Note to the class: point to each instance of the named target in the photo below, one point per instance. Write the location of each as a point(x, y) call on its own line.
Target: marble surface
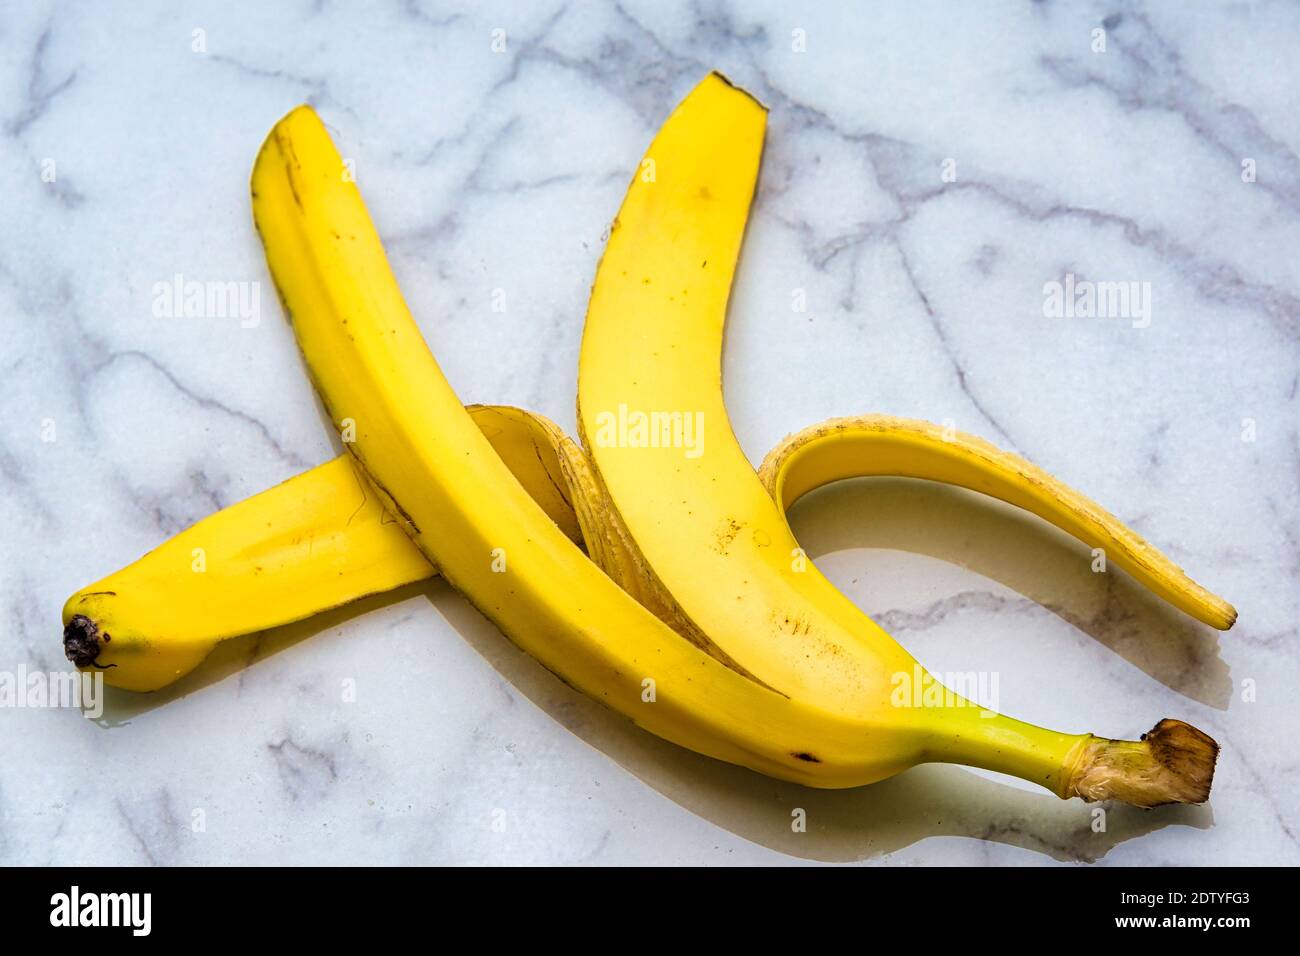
point(500, 170)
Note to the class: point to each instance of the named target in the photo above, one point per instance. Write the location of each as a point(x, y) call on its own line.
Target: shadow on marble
point(842, 825)
point(234, 658)
point(1027, 555)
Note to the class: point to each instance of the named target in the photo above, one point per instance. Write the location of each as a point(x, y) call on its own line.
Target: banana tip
point(83, 640)
point(738, 88)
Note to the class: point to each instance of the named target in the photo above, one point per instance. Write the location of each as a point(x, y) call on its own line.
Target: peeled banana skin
point(353, 527)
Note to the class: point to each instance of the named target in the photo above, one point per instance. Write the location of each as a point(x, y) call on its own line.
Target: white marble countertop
point(494, 170)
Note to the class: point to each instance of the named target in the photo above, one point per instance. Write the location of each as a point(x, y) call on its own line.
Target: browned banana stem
point(1172, 763)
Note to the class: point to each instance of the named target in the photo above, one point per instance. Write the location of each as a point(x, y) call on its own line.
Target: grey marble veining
point(929, 168)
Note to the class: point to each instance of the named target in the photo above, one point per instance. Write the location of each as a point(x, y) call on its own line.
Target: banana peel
point(337, 533)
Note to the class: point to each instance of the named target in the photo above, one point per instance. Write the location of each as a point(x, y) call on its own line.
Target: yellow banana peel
point(727, 649)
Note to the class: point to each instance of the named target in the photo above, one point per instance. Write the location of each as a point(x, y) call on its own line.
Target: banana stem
point(1171, 763)
point(980, 738)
